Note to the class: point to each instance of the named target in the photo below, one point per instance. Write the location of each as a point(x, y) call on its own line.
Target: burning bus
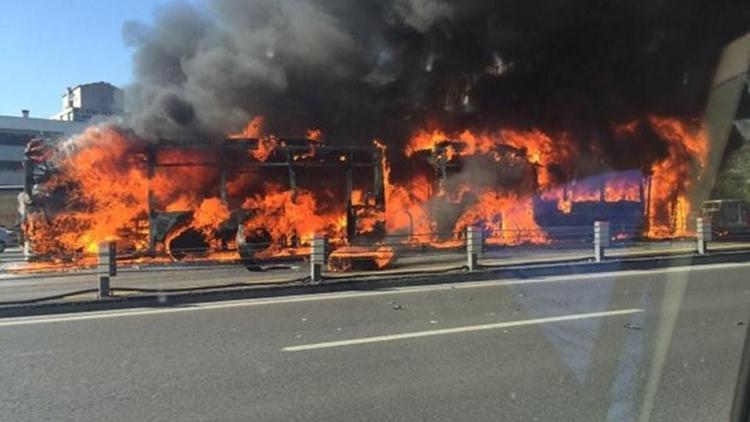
point(475, 129)
point(253, 197)
point(518, 186)
point(457, 175)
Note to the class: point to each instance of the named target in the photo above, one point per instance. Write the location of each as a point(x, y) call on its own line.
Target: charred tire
point(254, 244)
point(191, 242)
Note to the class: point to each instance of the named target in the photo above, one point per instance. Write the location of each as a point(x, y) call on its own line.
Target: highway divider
point(175, 297)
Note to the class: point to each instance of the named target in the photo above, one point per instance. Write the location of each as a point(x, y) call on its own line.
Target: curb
point(517, 271)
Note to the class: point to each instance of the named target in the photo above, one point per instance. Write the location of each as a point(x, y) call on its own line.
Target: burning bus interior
point(244, 197)
point(615, 196)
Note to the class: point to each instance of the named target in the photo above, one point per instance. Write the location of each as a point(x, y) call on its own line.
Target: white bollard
point(601, 239)
point(27, 253)
point(703, 235)
point(474, 247)
point(107, 267)
point(317, 258)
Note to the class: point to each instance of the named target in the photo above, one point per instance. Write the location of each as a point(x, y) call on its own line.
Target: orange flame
point(507, 220)
point(622, 189)
point(291, 218)
point(253, 130)
point(113, 191)
point(405, 205)
point(106, 174)
point(314, 135)
point(347, 257)
point(673, 177)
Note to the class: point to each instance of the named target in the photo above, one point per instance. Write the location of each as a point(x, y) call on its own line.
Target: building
point(88, 101)
point(15, 133)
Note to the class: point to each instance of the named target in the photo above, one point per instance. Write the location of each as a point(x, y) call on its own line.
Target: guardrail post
point(317, 258)
point(703, 235)
point(474, 247)
point(602, 238)
point(107, 267)
point(27, 250)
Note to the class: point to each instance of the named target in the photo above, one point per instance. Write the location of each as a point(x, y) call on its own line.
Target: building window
point(11, 165)
point(15, 139)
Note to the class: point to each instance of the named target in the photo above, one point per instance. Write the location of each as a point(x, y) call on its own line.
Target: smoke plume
point(368, 69)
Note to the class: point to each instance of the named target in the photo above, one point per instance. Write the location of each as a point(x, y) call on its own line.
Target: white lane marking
point(36, 353)
point(10, 322)
point(457, 330)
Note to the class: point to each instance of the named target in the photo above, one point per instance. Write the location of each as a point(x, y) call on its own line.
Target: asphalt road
point(660, 345)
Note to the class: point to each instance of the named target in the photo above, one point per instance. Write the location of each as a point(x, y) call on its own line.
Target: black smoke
point(368, 69)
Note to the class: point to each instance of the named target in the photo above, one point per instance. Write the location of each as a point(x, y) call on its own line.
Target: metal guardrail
point(309, 258)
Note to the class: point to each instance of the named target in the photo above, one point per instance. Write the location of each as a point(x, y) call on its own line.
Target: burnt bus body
point(229, 170)
point(458, 178)
point(506, 169)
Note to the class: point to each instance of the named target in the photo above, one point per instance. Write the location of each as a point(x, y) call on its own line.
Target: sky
point(48, 45)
